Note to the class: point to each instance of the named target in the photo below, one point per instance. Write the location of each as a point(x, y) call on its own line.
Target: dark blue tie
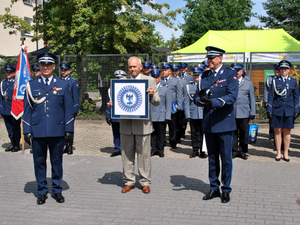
point(46, 83)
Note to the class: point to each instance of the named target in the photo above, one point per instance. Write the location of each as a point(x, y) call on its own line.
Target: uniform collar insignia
point(54, 80)
point(222, 71)
point(40, 80)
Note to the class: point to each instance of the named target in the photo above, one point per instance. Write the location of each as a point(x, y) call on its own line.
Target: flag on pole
point(22, 77)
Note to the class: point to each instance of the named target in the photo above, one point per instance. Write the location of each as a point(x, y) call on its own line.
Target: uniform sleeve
point(266, 91)
point(231, 91)
point(68, 107)
point(1, 100)
point(168, 104)
point(107, 111)
point(75, 90)
point(252, 100)
point(186, 100)
point(27, 114)
point(296, 98)
point(155, 100)
point(270, 97)
point(179, 93)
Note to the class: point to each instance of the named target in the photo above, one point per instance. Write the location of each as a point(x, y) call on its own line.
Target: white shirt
point(49, 79)
point(138, 77)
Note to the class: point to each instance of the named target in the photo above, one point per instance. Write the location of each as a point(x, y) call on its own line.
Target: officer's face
point(166, 72)
point(183, 69)
point(175, 73)
point(215, 63)
point(196, 78)
point(240, 73)
point(65, 73)
point(277, 73)
point(37, 74)
point(47, 69)
point(157, 79)
point(146, 71)
point(134, 67)
point(10, 75)
point(284, 72)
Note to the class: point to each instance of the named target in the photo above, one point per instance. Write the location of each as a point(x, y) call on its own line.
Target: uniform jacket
point(174, 86)
point(54, 116)
point(245, 102)
point(162, 112)
point(7, 89)
point(187, 77)
point(224, 90)
point(138, 126)
point(108, 110)
point(73, 86)
point(268, 84)
point(190, 109)
point(286, 104)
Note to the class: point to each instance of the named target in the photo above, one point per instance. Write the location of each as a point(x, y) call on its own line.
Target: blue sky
point(175, 4)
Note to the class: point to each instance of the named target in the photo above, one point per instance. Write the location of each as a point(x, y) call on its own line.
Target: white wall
point(10, 44)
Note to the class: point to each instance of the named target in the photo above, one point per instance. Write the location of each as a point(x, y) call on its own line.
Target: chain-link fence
point(93, 73)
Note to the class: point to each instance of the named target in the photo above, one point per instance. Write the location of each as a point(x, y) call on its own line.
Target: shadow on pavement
point(107, 150)
point(31, 187)
point(187, 183)
point(114, 178)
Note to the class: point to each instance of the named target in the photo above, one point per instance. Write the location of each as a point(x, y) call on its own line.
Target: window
point(27, 2)
point(28, 20)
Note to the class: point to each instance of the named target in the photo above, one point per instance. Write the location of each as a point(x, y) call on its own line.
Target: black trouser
point(181, 122)
point(158, 137)
point(196, 134)
point(242, 133)
point(173, 129)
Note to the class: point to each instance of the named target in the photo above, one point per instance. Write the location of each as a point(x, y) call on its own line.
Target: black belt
point(7, 99)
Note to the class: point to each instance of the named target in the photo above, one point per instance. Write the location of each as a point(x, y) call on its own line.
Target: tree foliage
point(283, 14)
point(203, 15)
point(97, 26)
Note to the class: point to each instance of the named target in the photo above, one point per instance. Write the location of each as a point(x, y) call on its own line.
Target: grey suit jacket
point(245, 102)
point(138, 126)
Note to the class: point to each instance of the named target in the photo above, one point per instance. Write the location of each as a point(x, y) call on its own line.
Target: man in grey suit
point(244, 109)
point(136, 135)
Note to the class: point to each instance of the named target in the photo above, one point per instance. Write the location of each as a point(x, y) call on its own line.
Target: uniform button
point(47, 94)
point(47, 108)
point(229, 115)
point(47, 115)
point(211, 86)
point(284, 102)
point(47, 100)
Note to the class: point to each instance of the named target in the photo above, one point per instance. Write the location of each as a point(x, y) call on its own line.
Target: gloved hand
point(251, 117)
point(27, 138)
point(178, 110)
point(168, 121)
point(269, 115)
point(204, 103)
point(265, 105)
point(202, 93)
point(68, 137)
point(74, 114)
point(188, 120)
point(108, 121)
point(296, 115)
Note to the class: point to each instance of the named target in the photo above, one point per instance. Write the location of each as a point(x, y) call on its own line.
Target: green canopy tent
point(241, 41)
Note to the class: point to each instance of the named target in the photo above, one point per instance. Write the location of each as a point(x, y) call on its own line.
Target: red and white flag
point(22, 77)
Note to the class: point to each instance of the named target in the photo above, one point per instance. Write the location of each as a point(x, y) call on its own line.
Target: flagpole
point(23, 144)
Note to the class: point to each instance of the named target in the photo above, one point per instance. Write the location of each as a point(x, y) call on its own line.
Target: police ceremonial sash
point(283, 93)
point(2, 93)
point(28, 92)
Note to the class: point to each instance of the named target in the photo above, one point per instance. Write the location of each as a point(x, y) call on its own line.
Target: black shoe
point(243, 155)
point(202, 155)
point(70, 150)
point(153, 153)
point(59, 198)
point(31, 151)
point(41, 199)
point(66, 149)
point(161, 154)
point(11, 146)
point(15, 149)
point(173, 146)
point(284, 159)
point(211, 194)
point(271, 136)
point(115, 154)
point(225, 197)
point(194, 154)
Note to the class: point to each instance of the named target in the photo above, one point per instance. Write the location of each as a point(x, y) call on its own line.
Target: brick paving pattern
point(264, 191)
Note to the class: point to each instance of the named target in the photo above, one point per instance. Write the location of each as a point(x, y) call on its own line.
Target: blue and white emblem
point(129, 98)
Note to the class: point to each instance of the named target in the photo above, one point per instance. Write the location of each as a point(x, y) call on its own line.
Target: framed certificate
point(130, 99)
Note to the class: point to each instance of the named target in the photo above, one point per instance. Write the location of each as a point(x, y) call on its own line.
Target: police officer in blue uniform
point(244, 109)
point(48, 120)
point(183, 72)
point(36, 70)
point(194, 114)
point(174, 86)
point(283, 108)
point(217, 93)
point(114, 123)
point(12, 125)
point(147, 67)
point(159, 115)
point(65, 70)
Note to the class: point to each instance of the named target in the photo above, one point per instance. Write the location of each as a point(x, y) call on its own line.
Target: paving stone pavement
point(264, 191)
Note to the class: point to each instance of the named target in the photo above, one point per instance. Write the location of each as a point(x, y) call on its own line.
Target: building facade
point(10, 44)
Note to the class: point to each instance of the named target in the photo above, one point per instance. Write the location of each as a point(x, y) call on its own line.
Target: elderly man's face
point(47, 69)
point(215, 63)
point(134, 67)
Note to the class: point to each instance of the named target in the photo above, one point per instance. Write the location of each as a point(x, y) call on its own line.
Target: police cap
point(9, 69)
point(35, 67)
point(147, 65)
point(46, 57)
point(213, 52)
point(183, 65)
point(155, 67)
point(64, 66)
point(276, 67)
point(166, 65)
point(175, 67)
point(120, 73)
point(205, 64)
point(237, 66)
point(197, 70)
point(155, 73)
point(285, 64)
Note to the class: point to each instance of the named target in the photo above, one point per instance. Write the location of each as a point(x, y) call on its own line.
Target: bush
point(88, 109)
point(262, 113)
